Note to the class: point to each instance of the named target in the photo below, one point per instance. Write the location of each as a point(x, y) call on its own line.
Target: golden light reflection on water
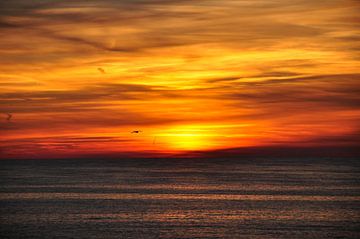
point(191, 198)
point(195, 215)
point(199, 187)
point(133, 196)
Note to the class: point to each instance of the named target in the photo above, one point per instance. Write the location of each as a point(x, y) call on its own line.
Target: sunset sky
point(77, 77)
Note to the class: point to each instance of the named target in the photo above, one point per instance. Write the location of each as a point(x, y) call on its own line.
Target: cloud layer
point(197, 75)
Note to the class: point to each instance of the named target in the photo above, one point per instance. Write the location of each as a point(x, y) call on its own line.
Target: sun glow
point(188, 141)
point(189, 138)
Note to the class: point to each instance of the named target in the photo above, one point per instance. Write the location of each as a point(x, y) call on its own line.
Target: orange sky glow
point(77, 77)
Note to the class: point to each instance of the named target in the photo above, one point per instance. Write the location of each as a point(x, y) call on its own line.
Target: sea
point(180, 198)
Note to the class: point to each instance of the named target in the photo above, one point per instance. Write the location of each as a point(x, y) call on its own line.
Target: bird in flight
point(9, 116)
point(101, 70)
point(136, 131)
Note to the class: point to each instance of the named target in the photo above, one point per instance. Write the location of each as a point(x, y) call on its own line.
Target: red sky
point(79, 76)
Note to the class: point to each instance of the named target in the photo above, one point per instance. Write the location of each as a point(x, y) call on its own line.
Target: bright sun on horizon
point(188, 138)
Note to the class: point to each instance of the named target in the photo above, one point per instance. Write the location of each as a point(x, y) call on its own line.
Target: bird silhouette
point(9, 116)
point(136, 131)
point(101, 70)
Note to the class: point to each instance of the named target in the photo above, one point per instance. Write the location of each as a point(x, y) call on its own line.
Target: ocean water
point(180, 198)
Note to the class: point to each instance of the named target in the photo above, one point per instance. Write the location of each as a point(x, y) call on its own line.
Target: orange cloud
point(195, 76)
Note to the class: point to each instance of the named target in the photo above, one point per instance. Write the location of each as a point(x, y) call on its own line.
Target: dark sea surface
point(180, 198)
